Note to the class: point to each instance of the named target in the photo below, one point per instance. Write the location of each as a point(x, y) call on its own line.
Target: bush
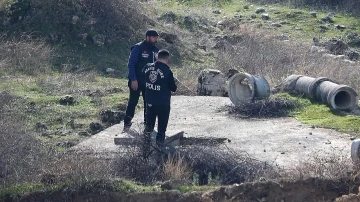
point(26, 56)
point(21, 153)
point(267, 108)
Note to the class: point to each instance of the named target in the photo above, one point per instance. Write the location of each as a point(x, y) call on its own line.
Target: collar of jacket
point(161, 63)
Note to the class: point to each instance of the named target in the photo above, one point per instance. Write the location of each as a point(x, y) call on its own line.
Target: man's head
point(163, 56)
point(151, 36)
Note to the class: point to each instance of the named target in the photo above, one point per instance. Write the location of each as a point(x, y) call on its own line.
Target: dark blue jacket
point(141, 54)
point(159, 82)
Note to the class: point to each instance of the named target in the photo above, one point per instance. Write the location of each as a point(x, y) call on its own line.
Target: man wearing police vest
point(141, 53)
point(159, 83)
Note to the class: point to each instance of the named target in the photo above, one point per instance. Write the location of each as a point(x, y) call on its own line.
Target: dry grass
point(26, 56)
point(21, 154)
point(176, 168)
point(260, 53)
point(330, 165)
point(76, 167)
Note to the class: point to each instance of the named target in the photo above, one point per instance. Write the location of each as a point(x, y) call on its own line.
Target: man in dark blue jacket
point(159, 83)
point(141, 53)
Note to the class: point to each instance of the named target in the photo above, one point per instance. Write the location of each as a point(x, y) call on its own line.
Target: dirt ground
point(284, 142)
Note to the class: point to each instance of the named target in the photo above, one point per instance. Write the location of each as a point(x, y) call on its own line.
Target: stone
point(340, 27)
point(314, 14)
point(211, 82)
point(74, 19)
point(217, 11)
point(265, 16)
point(328, 19)
point(95, 127)
point(260, 10)
point(324, 27)
point(246, 6)
point(111, 117)
point(253, 16)
point(67, 100)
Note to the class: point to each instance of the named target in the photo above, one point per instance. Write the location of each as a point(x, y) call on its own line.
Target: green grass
point(301, 26)
point(47, 110)
point(320, 115)
point(121, 186)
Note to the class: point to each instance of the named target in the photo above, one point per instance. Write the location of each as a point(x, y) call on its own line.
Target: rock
point(67, 100)
point(110, 71)
point(74, 19)
point(336, 46)
point(99, 39)
point(41, 127)
point(314, 14)
point(211, 82)
point(246, 6)
point(283, 22)
point(169, 38)
point(260, 10)
point(111, 117)
point(352, 55)
point(328, 19)
point(66, 144)
point(217, 11)
point(231, 72)
point(352, 138)
point(276, 25)
point(168, 17)
point(253, 16)
point(95, 127)
point(340, 27)
point(265, 16)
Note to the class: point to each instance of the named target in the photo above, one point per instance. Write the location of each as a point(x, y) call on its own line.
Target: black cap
point(151, 32)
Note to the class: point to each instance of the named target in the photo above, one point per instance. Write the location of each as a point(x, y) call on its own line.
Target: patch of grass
point(320, 115)
point(299, 23)
point(123, 186)
point(39, 102)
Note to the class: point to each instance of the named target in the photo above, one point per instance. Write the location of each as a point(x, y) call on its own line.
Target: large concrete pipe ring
point(244, 87)
point(340, 97)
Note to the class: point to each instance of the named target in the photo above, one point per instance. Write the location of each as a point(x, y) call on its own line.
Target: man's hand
point(134, 85)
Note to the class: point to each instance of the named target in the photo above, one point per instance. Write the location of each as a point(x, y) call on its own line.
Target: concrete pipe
point(244, 87)
point(340, 97)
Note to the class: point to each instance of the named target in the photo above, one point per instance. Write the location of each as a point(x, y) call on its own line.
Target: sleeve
point(172, 84)
point(133, 59)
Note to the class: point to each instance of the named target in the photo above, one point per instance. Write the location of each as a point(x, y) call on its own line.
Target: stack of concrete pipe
point(339, 97)
point(243, 87)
